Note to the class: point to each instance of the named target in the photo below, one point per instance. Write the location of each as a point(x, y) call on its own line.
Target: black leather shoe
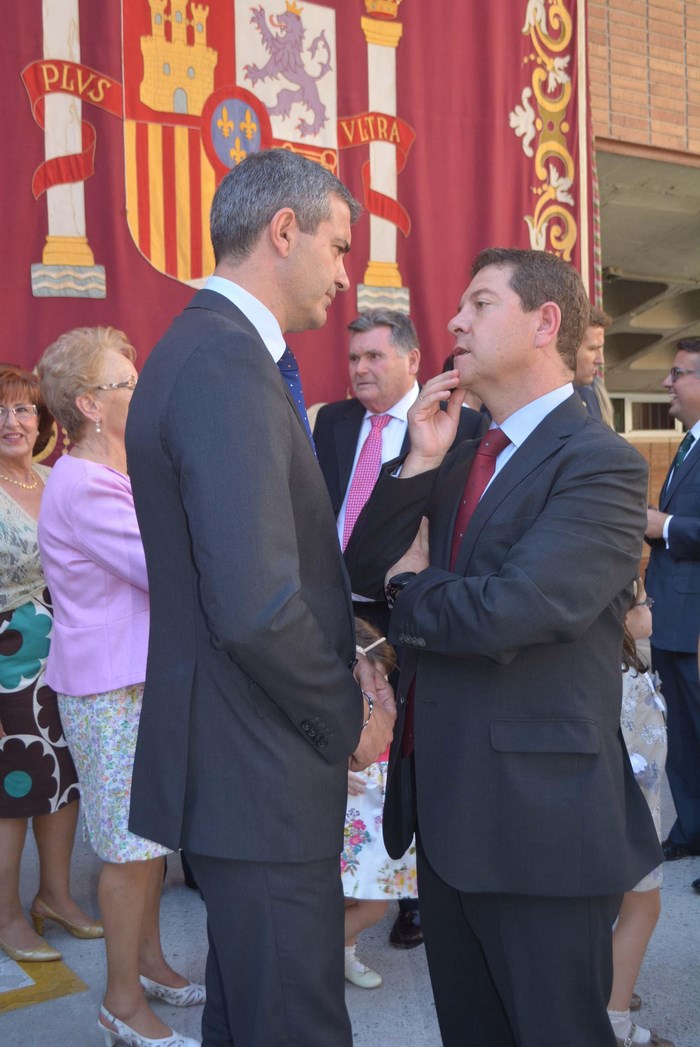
point(696, 885)
point(674, 851)
point(407, 932)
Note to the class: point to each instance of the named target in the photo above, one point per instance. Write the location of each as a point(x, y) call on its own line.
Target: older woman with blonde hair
point(94, 563)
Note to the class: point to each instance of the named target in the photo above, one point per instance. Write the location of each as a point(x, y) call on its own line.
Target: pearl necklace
point(18, 483)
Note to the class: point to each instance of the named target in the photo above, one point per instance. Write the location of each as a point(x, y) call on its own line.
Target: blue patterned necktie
point(289, 367)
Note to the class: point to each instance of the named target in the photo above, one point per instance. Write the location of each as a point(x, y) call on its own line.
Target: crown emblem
point(294, 8)
point(383, 8)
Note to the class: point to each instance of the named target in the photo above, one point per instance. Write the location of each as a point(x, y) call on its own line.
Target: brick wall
point(659, 454)
point(645, 72)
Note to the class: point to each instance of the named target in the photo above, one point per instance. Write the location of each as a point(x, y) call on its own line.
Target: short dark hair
point(538, 277)
point(257, 188)
point(20, 385)
point(402, 331)
point(688, 345)
point(598, 318)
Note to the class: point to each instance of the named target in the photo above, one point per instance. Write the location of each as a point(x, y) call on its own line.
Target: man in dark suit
point(508, 758)
point(673, 580)
point(384, 357)
point(251, 710)
point(590, 360)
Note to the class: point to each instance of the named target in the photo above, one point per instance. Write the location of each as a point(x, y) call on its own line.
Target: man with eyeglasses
point(673, 580)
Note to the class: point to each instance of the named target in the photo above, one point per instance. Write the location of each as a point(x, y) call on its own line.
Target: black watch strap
point(395, 584)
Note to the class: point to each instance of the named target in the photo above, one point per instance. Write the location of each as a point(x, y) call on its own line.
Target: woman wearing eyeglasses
point(37, 775)
point(94, 564)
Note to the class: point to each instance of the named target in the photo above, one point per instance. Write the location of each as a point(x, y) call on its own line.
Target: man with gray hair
point(251, 708)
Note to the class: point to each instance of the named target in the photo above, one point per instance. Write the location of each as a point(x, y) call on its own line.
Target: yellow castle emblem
point(178, 68)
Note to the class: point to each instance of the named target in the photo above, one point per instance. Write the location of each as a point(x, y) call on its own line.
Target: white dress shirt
point(264, 322)
point(519, 425)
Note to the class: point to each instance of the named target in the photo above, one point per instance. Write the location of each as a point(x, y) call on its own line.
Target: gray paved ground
point(400, 1014)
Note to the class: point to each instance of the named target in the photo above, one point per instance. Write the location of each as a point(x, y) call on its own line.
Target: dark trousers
point(517, 971)
point(275, 967)
point(680, 687)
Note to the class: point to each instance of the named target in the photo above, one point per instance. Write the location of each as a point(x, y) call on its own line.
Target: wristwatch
point(395, 584)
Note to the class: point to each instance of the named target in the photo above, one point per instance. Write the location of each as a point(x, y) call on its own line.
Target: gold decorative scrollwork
point(541, 120)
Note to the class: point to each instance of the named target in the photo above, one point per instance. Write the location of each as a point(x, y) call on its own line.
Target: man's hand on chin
point(432, 430)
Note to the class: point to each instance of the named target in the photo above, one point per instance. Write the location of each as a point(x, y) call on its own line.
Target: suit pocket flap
point(545, 736)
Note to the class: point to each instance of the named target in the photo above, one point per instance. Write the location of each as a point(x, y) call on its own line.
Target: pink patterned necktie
point(366, 473)
point(482, 469)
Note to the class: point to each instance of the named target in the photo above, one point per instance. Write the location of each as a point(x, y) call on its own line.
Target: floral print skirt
point(367, 871)
point(643, 723)
point(101, 730)
point(37, 774)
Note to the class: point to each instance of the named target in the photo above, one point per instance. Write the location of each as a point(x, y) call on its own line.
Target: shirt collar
point(401, 408)
point(264, 322)
point(525, 420)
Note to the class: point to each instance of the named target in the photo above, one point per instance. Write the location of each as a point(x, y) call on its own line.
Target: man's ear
point(414, 361)
point(549, 323)
point(282, 228)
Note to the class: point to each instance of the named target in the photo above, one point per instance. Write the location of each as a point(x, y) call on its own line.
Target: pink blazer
point(95, 569)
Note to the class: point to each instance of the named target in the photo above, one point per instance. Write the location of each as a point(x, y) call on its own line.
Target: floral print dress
point(37, 775)
point(643, 723)
point(367, 871)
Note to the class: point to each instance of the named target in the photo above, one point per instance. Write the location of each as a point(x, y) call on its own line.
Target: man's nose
point(341, 280)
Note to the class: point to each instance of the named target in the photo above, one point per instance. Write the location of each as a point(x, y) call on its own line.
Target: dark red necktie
point(481, 471)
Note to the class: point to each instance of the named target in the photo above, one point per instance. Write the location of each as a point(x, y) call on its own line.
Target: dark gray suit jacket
point(523, 783)
point(673, 575)
point(250, 708)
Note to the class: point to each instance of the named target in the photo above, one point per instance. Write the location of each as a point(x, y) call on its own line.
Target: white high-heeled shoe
point(191, 995)
point(123, 1033)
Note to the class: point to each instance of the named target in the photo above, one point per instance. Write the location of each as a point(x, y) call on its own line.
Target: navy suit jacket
point(250, 708)
point(522, 781)
point(673, 575)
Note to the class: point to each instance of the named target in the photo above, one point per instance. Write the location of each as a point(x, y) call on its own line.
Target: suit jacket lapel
point(679, 474)
point(543, 442)
point(219, 303)
point(451, 487)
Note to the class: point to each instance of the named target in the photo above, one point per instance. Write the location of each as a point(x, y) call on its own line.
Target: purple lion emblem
point(286, 50)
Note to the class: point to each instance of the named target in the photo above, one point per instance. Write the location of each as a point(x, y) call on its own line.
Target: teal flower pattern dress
point(37, 775)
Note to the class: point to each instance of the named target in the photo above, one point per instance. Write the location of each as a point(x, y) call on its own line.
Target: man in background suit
point(673, 580)
point(508, 758)
point(251, 710)
point(590, 360)
point(384, 357)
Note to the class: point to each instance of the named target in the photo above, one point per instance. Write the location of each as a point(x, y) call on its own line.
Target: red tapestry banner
point(458, 126)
